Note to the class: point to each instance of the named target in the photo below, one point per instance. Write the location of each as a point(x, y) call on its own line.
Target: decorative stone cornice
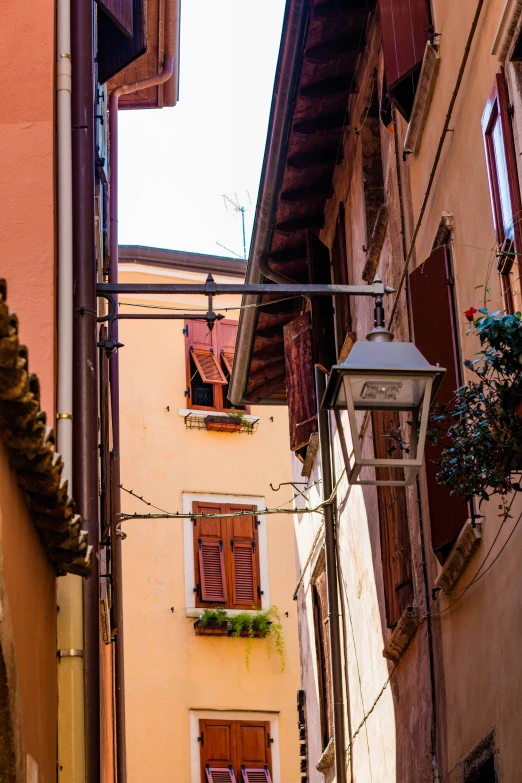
point(29, 445)
point(403, 633)
point(462, 552)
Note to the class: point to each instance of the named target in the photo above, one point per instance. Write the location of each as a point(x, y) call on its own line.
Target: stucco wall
point(28, 629)
point(169, 671)
point(27, 217)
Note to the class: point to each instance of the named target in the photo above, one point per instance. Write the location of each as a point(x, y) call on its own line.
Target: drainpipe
point(85, 396)
point(171, 36)
point(69, 623)
point(334, 614)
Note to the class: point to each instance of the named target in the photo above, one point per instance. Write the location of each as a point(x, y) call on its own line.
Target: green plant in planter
point(217, 615)
point(481, 429)
point(248, 425)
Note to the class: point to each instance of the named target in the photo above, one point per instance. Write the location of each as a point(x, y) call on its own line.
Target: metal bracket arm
point(215, 289)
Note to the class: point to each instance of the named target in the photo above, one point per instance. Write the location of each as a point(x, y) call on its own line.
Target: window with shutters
point(393, 524)
point(209, 360)
point(436, 336)
point(226, 556)
point(300, 381)
point(322, 648)
point(405, 28)
point(504, 190)
point(235, 751)
point(340, 275)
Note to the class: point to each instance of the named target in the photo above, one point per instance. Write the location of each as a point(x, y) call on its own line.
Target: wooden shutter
point(435, 328)
point(208, 366)
point(217, 749)
point(322, 645)
point(120, 11)
point(405, 30)
point(220, 775)
point(256, 775)
point(116, 49)
point(253, 750)
point(393, 523)
point(321, 307)
point(504, 187)
point(209, 555)
point(243, 559)
point(343, 318)
point(300, 379)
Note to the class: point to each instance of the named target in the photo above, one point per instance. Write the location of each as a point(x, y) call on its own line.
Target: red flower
point(470, 313)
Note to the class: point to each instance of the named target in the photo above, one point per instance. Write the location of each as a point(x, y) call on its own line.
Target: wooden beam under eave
point(296, 269)
point(321, 157)
point(344, 46)
point(264, 346)
point(333, 8)
point(265, 374)
point(322, 123)
point(301, 223)
point(321, 190)
point(326, 87)
point(295, 253)
point(274, 389)
point(268, 322)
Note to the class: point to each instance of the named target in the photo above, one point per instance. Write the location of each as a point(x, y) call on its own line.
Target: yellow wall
point(170, 671)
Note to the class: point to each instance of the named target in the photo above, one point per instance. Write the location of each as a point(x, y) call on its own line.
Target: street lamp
point(382, 375)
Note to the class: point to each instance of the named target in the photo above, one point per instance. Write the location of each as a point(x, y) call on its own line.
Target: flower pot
point(223, 423)
point(211, 628)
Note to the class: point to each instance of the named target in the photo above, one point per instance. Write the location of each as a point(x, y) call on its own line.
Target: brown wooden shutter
point(405, 30)
point(253, 750)
point(208, 366)
point(220, 775)
point(393, 523)
point(116, 49)
point(435, 328)
point(209, 555)
point(243, 558)
point(322, 644)
point(217, 747)
point(343, 318)
point(256, 775)
point(120, 11)
point(321, 307)
point(300, 379)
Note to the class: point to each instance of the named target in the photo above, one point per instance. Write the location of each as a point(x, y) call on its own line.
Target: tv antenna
point(233, 203)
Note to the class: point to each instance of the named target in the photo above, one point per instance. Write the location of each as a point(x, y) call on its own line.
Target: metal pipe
point(318, 289)
point(69, 599)
point(85, 402)
point(334, 614)
point(116, 553)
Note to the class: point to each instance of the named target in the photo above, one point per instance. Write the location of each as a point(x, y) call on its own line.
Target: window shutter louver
point(435, 329)
point(343, 319)
point(228, 360)
point(120, 11)
point(256, 775)
point(300, 379)
point(244, 568)
point(212, 571)
point(220, 775)
point(405, 31)
point(208, 367)
point(322, 642)
point(321, 307)
point(116, 48)
point(393, 523)
point(243, 573)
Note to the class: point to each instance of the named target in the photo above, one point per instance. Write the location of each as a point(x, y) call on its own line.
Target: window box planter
point(223, 423)
point(212, 628)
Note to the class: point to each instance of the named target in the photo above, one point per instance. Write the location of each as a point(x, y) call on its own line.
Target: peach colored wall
point(27, 221)
point(169, 670)
point(28, 582)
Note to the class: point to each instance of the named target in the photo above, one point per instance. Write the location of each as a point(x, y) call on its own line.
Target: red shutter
point(220, 775)
point(405, 30)
point(120, 11)
point(322, 647)
point(116, 49)
point(321, 307)
point(300, 379)
point(244, 560)
point(209, 554)
point(227, 331)
point(208, 366)
point(435, 330)
point(504, 186)
point(256, 775)
point(343, 319)
point(393, 524)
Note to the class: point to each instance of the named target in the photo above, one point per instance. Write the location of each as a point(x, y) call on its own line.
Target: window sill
point(404, 632)
point(459, 557)
point(423, 96)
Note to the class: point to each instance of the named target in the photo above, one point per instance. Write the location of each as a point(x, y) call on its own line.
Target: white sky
point(176, 163)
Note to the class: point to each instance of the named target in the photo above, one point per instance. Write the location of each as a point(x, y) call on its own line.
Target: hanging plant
point(251, 624)
point(481, 428)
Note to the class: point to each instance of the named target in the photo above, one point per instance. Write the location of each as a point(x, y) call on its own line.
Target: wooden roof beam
point(264, 390)
point(301, 223)
point(306, 160)
point(322, 123)
point(344, 46)
point(333, 8)
point(321, 190)
point(327, 87)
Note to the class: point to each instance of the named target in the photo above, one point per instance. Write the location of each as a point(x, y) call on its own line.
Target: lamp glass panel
point(397, 393)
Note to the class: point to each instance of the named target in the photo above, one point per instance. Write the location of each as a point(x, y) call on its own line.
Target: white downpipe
point(71, 732)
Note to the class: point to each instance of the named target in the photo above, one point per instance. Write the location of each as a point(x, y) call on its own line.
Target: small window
point(235, 751)
point(504, 190)
point(209, 358)
point(226, 557)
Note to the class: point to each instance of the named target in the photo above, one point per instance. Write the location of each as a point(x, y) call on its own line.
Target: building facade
point(394, 149)
point(197, 695)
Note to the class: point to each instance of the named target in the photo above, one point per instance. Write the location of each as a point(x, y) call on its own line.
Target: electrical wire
point(205, 309)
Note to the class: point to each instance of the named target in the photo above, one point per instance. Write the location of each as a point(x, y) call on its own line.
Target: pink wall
point(27, 223)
